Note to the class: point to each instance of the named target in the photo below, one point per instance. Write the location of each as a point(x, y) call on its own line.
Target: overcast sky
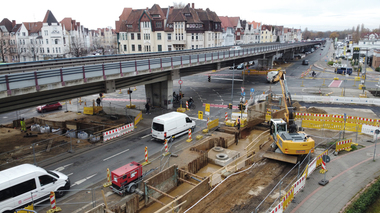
point(317, 15)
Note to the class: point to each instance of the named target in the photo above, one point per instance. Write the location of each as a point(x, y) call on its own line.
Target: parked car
point(240, 66)
point(305, 62)
point(49, 107)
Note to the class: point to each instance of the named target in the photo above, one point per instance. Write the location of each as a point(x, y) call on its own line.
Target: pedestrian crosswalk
point(335, 83)
point(124, 100)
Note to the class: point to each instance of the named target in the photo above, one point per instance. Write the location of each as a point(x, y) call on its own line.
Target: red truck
point(126, 178)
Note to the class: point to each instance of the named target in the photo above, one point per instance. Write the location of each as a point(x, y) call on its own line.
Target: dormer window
point(187, 14)
point(129, 25)
point(156, 16)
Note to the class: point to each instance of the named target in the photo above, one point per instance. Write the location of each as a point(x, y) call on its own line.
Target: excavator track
point(281, 157)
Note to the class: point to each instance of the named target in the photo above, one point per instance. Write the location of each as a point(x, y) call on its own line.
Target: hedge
point(330, 63)
point(377, 69)
point(366, 199)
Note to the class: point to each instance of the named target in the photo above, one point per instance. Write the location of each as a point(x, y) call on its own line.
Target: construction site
point(258, 168)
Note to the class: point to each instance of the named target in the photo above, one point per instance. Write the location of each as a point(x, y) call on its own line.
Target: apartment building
point(158, 29)
point(8, 43)
point(267, 33)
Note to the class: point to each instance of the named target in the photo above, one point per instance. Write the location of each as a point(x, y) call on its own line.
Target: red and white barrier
point(226, 116)
point(189, 134)
point(187, 105)
point(146, 154)
point(114, 133)
point(278, 208)
point(166, 146)
point(299, 184)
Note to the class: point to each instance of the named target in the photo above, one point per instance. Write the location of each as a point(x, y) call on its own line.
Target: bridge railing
point(129, 68)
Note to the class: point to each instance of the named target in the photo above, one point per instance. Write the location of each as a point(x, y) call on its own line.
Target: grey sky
point(313, 14)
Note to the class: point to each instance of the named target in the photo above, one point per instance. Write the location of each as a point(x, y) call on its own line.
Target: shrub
point(366, 199)
point(330, 63)
point(377, 69)
point(354, 147)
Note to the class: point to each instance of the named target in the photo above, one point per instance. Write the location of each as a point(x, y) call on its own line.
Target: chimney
point(192, 5)
point(13, 23)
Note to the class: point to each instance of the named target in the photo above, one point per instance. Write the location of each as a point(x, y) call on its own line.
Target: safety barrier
point(138, 118)
point(114, 133)
point(337, 118)
point(298, 185)
point(53, 207)
point(108, 183)
point(343, 145)
point(213, 123)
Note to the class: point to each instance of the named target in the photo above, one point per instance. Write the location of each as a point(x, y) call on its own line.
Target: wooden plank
point(157, 201)
point(192, 174)
point(168, 205)
point(186, 181)
point(157, 190)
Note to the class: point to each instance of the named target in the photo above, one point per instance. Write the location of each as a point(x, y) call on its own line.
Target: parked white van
point(171, 125)
point(25, 184)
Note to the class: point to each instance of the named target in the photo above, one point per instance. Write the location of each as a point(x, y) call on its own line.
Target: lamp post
point(232, 93)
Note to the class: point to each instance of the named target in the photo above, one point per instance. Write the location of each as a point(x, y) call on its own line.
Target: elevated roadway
point(29, 84)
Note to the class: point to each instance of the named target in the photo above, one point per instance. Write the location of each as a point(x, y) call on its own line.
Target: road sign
point(207, 109)
point(243, 93)
point(242, 89)
point(200, 115)
point(252, 90)
point(180, 82)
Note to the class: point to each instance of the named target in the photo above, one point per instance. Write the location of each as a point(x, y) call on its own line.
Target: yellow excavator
point(288, 141)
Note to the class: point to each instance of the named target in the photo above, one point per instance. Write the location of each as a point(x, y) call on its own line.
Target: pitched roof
point(16, 28)
point(207, 15)
point(8, 24)
point(33, 27)
point(124, 15)
point(193, 18)
point(229, 21)
point(133, 19)
point(67, 23)
point(49, 18)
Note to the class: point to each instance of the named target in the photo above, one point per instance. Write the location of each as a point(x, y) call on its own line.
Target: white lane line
point(5, 117)
point(228, 79)
point(62, 167)
point(70, 174)
point(83, 180)
point(146, 136)
point(116, 155)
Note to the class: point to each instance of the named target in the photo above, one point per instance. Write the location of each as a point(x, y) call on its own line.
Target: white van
point(171, 125)
point(25, 184)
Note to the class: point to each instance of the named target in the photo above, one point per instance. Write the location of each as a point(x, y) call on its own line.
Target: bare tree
point(179, 5)
point(98, 44)
point(4, 46)
point(33, 49)
point(77, 47)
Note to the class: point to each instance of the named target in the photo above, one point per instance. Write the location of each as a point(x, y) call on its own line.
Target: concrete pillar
point(218, 66)
point(160, 94)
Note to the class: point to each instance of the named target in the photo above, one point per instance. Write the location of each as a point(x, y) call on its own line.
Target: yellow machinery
point(291, 143)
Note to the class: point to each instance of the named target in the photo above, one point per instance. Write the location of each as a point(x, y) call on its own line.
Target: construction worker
point(238, 123)
point(23, 125)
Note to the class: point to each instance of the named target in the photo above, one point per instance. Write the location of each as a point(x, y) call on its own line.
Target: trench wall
point(164, 181)
point(195, 193)
point(224, 142)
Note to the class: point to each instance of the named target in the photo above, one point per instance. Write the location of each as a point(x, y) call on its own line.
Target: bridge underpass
point(132, 73)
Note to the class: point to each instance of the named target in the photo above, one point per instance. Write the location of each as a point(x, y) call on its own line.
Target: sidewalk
point(348, 173)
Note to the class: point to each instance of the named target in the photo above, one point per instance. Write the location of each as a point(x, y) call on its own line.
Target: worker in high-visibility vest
point(238, 123)
point(23, 125)
point(238, 131)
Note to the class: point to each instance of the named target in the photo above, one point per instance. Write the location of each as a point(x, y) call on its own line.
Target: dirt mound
point(316, 110)
point(296, 105)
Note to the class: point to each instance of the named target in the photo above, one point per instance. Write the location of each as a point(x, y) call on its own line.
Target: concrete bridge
point(24, 85)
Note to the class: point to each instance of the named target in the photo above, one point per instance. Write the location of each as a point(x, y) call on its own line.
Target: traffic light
point(129, 91)
point(240, 106)
point(209, 78)
point(229, 106)
point(243, 106)
point(183, 95)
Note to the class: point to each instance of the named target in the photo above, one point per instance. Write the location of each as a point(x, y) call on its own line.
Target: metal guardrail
point(49, 75)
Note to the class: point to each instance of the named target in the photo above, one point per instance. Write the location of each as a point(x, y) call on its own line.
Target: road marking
point(5, 117)
point(116, 155)
point(146, 136)
point(335, 83)
point(83, 180)
point(62, 167)
point(228, 79)
point(108, 194)
point(70, 174)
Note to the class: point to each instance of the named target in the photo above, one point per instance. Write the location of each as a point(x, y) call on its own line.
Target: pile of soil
point(316, 110)
point(296, 105)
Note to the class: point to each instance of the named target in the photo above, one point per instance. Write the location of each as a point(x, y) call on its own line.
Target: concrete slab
point(232, 155)
point(367, 113)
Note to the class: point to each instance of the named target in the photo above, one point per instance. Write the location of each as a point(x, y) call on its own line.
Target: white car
point(235, 48)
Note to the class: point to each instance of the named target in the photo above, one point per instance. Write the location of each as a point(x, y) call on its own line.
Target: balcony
point(182, 42)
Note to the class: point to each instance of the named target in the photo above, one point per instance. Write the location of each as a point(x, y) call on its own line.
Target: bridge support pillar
point(160, 94)
point(218, 66)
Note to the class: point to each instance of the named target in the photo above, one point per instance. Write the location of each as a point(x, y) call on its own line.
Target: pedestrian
point(147, 107)
point(238, 123)
point(98, 101)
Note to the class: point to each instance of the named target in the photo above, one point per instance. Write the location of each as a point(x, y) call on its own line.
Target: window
point(23, 41)
point(47, 41)
point(46, 32)
point(169, 36)
point(147, 48)
point(192, 47)
point(158, 127)
point(139, 47)
point(56, 41)
point(53, 49)
point(169, 47)
point(176, 36)
point(196, 46)
point(31, 41)
point(181, 36)
point(159, 48)
point(138, 36)
point(192, 36)
point(146, 36)
point(59, 50)
point(125, 48)
point(133, 47)
point(158, 36)
point(159, 24)
point(132, 36)
point(196, 36)
point(56, 50)
point(23, 34)
point(17, 190)
point(41, 50)
point(47, 50)
point(46, 179)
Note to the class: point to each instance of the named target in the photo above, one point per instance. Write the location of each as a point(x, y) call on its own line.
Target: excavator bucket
point(281, 157)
